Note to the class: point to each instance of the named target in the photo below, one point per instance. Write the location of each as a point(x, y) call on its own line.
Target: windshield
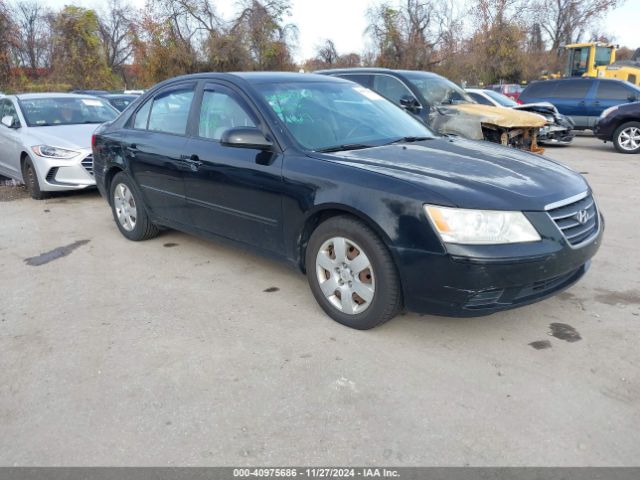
point(44, 112)
point(326, 115)
point(501, 99)
point(438, 90)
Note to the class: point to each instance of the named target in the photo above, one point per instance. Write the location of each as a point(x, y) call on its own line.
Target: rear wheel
point(30, 177)
point(626, 138)
point(129, 211)
point(351, 273)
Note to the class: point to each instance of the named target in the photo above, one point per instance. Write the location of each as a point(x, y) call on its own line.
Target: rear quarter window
point(613, 91)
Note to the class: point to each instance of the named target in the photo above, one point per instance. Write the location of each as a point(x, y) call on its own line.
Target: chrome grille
point(577, 220)
point(87, 163)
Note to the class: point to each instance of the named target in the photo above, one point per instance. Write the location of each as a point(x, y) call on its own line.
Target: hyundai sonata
point(380, 212)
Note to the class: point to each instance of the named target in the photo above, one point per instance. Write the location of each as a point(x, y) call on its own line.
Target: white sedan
point(45, 139)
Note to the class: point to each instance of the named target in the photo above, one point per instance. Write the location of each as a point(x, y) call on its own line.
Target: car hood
point(63, 136)
point(502, 117)
point(471, 174)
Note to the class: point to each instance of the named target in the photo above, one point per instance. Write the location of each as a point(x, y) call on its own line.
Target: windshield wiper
point(408, 140)
point(344, 147)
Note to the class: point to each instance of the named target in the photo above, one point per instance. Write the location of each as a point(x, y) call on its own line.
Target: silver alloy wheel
point(629, 138)
point(125, 206)
point(345, 275)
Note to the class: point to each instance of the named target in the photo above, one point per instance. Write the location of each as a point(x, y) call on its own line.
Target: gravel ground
point(179, 351)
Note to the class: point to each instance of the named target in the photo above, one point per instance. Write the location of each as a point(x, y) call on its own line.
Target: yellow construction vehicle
point(598, 59)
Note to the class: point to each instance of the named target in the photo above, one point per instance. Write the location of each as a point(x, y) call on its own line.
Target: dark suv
point(582, 99)
point(621, 125)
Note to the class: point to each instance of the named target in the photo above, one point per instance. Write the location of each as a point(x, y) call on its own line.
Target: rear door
point(232, 192)
point(154, 146)
point(10, 141)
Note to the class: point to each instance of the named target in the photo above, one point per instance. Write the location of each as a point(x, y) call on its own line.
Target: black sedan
point(621, 125)
point(378, 210)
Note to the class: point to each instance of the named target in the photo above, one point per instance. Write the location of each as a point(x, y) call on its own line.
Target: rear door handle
point(192, 160)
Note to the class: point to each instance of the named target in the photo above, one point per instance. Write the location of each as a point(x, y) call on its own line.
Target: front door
point(9, 142)
point(232, 192)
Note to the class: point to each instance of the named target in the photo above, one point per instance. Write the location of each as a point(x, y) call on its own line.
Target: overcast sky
point(344, 22)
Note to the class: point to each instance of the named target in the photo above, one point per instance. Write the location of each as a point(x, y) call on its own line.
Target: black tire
point(618, 133)
point(144, 228)
point(30, 177)
point(387, 297)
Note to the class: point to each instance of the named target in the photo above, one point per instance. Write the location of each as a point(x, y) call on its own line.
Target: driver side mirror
point(245, 137)
point(9, 121)
point(410, 103)
point(633, 98)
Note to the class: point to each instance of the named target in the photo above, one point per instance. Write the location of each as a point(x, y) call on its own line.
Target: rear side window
point(364, 80)
point(613, 91)
point(170, 111)
point(572, 89)
point(539, 89)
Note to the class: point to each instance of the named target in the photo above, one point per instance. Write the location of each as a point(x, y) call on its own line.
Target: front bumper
point(65, 174)
point(474, 281)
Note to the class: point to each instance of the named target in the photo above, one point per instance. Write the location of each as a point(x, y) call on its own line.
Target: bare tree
point(115, 27)
point(567, 21)
point(32, 46)
point(327, 52)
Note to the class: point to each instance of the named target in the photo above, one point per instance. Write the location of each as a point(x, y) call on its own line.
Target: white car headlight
point(609, 111)
point(53, 152)
point(480, 227)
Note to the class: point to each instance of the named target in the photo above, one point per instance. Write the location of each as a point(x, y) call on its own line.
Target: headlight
point(53, 152)
point(480, 227)
point(608, 111)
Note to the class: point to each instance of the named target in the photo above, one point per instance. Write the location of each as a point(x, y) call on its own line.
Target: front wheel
point(129, 211)
point(626, 138)
point(351, 273)
point(30, 177)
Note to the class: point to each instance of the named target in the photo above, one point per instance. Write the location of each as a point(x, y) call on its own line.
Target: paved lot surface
point(179, 351)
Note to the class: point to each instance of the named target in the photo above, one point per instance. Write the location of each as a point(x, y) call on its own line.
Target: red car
point(511, 90)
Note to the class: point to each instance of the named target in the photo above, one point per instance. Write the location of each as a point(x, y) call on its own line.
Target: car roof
point(119, 95)
point(33, 96)
point(375, 70)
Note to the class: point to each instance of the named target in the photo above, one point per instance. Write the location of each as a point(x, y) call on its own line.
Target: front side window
point(7, 109)
point(391, 88)
point(220, 112)
point(323, 115)
point(613, 91)
point(438, 90)
point(603, 56)
point(50, 111)
point(480, 98)
point(170, 111)
point(503, 100)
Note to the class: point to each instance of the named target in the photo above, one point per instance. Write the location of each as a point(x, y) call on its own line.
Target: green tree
point(77, 51)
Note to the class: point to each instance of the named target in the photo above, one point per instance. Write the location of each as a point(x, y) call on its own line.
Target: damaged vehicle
point(378, 211)
point(447, 108)
point(559, 127)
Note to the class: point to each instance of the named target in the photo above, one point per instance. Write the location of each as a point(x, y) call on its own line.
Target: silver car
point(45, 139)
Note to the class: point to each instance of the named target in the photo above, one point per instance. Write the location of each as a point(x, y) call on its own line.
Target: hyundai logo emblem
point(582, 216)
